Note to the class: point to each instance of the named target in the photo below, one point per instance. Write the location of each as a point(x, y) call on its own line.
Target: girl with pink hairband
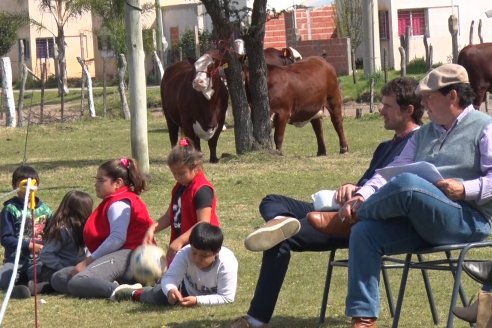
point(193, 198)
point(114, 229)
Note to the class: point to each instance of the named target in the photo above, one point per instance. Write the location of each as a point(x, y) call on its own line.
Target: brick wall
point(312, 24)
point(275, 33)
point(316, 35)
point(335, 51)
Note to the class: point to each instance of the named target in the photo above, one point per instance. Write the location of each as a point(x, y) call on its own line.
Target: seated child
point(203, 272)
point(63, 239)
point(10, 224)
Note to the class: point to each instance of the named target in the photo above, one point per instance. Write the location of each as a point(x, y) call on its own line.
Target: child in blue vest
point(32, 240)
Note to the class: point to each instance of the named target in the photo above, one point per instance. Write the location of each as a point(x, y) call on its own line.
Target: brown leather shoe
point(364, 322)
point(329, 223)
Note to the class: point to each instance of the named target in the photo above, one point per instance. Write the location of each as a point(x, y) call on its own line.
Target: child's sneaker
point(20, 292)
point(124, 292)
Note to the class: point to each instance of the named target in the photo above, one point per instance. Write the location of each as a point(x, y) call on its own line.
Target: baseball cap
point(441, 77)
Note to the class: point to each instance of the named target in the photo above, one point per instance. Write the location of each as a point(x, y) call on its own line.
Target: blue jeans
point(276, 260)
point(406, 214)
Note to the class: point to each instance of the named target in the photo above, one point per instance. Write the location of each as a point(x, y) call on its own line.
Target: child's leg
point(149, 295)
point(59, 280)
point(100, 278)
point(5, 274)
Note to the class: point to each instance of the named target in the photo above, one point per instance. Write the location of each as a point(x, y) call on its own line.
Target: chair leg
point(457, 287)
point(428, 290)
point(324, 301)
point(401, 293)
point(454, 271)
point(389, 295)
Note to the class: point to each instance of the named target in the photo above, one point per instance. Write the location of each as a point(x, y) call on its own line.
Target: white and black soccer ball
point(147, 264)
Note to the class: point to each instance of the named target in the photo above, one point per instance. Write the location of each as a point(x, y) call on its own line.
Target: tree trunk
point(22, 89)
point(85, 71)
point(125, 111)
point(137, 84)
point(253, 42)
point(23, 78)
point(221, 20)
point(240, 109)
point(6, 74)
point(62, 78)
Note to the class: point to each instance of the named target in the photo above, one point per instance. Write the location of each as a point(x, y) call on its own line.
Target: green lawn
point(67, 156)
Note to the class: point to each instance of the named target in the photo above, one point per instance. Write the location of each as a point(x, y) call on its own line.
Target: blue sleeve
point(8, 232)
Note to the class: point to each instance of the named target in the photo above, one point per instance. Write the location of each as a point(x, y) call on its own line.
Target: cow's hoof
point(321, 154)
point(344, 150)
point(214, 160)
point(275, 152)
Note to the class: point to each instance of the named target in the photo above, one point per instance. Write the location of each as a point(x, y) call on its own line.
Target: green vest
point(457, 154)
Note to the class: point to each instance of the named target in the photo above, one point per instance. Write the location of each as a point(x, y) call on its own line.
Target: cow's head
point(205, 67)
point(291, 54)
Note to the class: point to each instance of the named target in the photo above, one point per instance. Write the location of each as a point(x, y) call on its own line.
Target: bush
point(417, 66)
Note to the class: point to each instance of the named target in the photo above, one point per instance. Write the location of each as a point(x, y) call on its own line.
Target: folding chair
point(388, 263)
point(450, 263)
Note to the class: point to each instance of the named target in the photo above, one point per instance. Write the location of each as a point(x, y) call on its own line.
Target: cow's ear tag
point(225, 66)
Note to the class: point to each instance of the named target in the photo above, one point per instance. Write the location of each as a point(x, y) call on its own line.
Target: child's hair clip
point(183, 142)
point(124, 162)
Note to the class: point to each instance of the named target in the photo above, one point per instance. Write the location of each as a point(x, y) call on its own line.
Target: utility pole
point(137, 85)
point(158, 18)
point(368, 36)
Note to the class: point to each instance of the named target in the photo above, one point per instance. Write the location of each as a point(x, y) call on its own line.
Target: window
point(27, 50)
point(45, 48)
point(104, 42)
point(414, 18)
point(383, 25)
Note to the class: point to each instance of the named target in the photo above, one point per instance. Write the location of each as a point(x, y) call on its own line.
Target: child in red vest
point(115, 228)
point(193, 198)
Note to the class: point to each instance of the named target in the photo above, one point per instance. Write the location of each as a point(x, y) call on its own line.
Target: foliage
point(417, 66)
point(349, 20)
point(10, 23)
point(187, 42)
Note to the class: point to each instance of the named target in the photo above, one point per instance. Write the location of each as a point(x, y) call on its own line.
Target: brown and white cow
point(282, 57)
point(477, 59)
point(298, 93)
point(200, 114)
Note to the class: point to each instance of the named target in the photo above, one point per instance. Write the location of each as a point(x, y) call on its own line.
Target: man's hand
point(349, 210)
point(345, 192)
point(454, 189)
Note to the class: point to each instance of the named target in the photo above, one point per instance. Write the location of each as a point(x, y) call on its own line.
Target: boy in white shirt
point(203, 272)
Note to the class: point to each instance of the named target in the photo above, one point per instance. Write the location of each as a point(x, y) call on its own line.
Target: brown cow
point(199, 115)
point(282, 57)
point(298, 93)
point(477, 61)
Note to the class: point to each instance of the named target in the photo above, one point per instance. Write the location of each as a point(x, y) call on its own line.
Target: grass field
point(67, 156)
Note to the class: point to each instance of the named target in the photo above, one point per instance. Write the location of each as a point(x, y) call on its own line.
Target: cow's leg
point(212, 143)
point(317, 125)
point(280, 123)
point(336, 116)
point(173, 130)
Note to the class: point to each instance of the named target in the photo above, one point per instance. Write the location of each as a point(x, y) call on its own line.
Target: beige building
point(39, 43)
point(80, 41)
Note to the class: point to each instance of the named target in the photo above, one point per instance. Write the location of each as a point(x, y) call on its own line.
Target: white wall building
point(428, 17)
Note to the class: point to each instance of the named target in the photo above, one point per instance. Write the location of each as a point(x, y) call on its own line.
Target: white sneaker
point(124, 292)
point(272, 233)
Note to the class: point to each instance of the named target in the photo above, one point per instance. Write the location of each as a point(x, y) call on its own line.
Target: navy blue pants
point(275, 261)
